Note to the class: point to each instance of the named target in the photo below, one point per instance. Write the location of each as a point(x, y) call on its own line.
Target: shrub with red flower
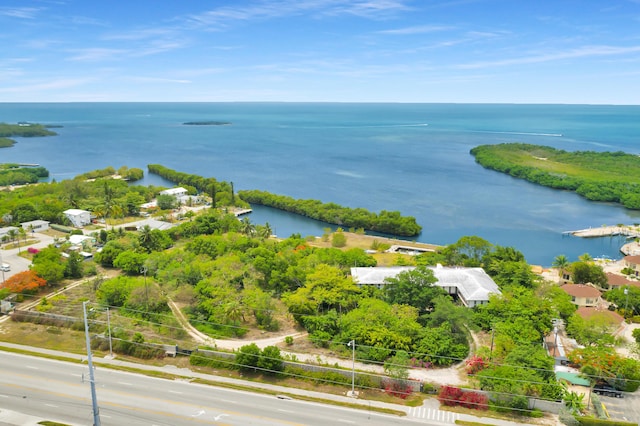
point(474, 364)
point(452, 396)
point(24, 282)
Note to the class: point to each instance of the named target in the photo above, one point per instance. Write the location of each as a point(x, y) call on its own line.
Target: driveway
point(18, 263)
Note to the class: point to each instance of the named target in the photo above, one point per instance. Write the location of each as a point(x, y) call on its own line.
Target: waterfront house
point(471, 285)
point(619, 281)
point(583, 295)
point(77, 217)
point(633, 263)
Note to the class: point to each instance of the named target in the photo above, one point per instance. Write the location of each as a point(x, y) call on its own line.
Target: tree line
point(597, 176)
point(387, 222)
point(13, 174)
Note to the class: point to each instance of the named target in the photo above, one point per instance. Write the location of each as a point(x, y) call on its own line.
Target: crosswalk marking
point(434, 414)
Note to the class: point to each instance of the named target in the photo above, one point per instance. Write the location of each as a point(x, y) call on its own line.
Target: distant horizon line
point(317, 102)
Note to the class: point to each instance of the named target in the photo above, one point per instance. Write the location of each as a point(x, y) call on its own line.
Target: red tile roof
point(635, 259)
point(616, 280)
point(581, 290)
point(613, 317)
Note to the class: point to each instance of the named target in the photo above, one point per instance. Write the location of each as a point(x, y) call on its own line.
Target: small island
point(597, 176)
point(24, 130)
point(207, 123)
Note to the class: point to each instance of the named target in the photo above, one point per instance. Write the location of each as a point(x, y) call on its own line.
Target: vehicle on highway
point(607, 390)
point(5, 267)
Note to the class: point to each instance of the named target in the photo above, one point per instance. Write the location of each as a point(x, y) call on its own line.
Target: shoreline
point(607, 231)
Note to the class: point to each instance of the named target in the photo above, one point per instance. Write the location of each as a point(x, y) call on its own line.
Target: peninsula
point(597, 176)
point(24, 130)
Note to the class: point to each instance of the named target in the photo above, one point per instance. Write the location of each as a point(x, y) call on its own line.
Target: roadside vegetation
point(232, 279)
point(597, 176)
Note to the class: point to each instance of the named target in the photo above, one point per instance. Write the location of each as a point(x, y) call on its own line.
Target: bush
point(397, 388)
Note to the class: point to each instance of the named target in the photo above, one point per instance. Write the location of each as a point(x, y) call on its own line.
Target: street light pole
point(352, 344)
point(626, 304)
point(109, 331)
point(92, 382)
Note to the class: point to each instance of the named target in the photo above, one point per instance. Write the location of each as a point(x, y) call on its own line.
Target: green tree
point(414, 288)
point(586, 272)
point(338, 239)
point(130, 262)
point(165, 201)
point(271, 361)
point(73, 266)
point(248, 357)
point(574, 402)
point(596, 330)
point(561, 262)
point(397, 367)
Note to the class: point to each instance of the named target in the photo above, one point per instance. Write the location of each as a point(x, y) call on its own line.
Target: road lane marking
point(346, 421)
point(286, 411)
point(229, 401)
point(32, 368)
point(4, 396)
point(176, 392)
point(125, 383)
point(51, 405)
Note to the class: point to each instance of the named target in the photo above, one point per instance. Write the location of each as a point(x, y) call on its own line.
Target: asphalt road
point(627, 408)
point(55, 390)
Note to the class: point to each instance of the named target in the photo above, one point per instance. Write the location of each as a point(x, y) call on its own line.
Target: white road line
point(4, 396)
point(346, 421)
point(51, 405)
point(76, 375)
point(32, 368)
point(286, 411)
point(176, 392)
point(125, 383)
point(229, 401)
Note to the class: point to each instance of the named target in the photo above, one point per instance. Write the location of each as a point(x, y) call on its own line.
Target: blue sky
point(520, 51)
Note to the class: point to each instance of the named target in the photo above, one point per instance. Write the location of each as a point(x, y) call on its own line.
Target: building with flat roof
point(35, 225)
point(471, 285)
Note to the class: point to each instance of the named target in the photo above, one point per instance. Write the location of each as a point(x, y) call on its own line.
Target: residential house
point(633, 263)
point(582, 294)
point(35, 225)
point(4, 232)
point(619, 281)
point(471, 285)
point(77, 217)
point(613, 318)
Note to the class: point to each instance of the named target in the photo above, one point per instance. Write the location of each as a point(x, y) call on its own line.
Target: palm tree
point(247, 227)
point(586, 257)
point(12, 234)
point(562, 263)
point(574, 402)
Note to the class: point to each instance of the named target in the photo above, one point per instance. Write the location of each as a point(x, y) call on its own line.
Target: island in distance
point(206, 123)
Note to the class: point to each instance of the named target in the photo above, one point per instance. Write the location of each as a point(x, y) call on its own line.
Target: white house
point(471, 285)
point(175, 192)
point(35, 225)
point(4, 232)
point(77, 217)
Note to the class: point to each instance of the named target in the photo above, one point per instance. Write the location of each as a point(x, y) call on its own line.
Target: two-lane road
point(55, 390)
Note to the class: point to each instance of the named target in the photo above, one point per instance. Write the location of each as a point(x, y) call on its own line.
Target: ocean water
point(408, 157)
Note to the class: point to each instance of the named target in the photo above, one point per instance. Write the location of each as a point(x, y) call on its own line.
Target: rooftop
point(581, 290)
point(610, 316)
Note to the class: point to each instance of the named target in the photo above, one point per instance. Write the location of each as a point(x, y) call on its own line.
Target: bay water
point(413, 158)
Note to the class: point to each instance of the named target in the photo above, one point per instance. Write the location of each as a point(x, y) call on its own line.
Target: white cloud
point(20, 12)
point(582, 52)
point(158, 80)
point(421, 29)
point(97, 54)
point(48, 85)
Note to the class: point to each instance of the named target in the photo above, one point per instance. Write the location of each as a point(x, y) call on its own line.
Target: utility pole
point(626, 304)
point(92, 382)
point(352, 344)
point(109, 331)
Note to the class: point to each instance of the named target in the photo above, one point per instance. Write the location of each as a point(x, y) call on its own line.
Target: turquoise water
point(408, 157)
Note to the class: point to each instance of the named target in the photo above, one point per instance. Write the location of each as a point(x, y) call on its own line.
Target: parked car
point(5, 267)
point(607, 390)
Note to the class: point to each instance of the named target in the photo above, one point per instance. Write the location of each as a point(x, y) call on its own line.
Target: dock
point(607, 231)
point(242, 212)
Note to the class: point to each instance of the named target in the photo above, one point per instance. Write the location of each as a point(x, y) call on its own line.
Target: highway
point(55, 390)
